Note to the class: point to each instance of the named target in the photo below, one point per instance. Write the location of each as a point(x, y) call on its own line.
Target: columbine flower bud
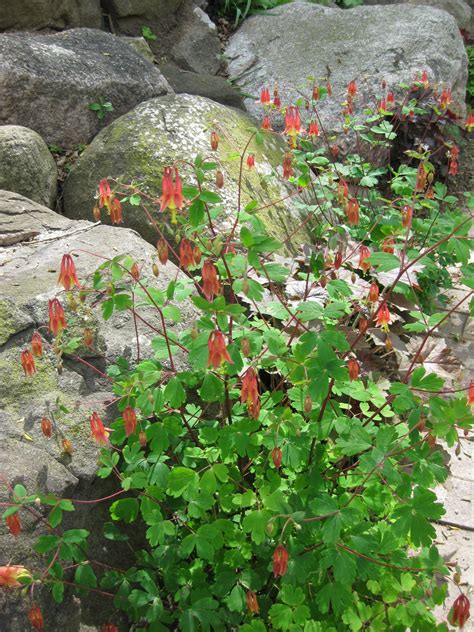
point(353, 212)
point(280, 561)
point(277, 457)
point(315, 94)
point(142, 438)
point(186, 257)
point(245, 347)
point(67, 447)
point(337, 260)
point(363, 325)
point(373, 296)
point(129, 420)
point(251, 161)
point(46, 427)
point(364, 254)
point(57, 321)
point(155, 270)
point(353, 368)
point(13, 523)
point(407, 216)
point(460, 611)
point(219, 179)
point(214, 141)
point(308, 404)
point(28, 363)
point(388, 245)
point(249, 393)
point(35, 617)
point(287, 166)
point(252, 603)
point(162, 249)
point(37, 344)
point(116, 212)
point(352, 89)
point(210, 283)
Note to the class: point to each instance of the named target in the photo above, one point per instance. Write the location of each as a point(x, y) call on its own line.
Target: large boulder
point(27, 166)
point(67, 391)
point(459, 9)
point(48, 82)
point(198, 46)
point(173, 130)
point(35, 15)
point(367, 44)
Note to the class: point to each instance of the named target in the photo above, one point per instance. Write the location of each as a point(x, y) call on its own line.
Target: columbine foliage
point(279, 481)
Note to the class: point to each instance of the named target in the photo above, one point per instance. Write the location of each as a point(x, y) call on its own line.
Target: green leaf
point(175, 393)
point(421, 381)
point(125, 509)
point(255, 523)
point(180, 480)
point(209, 197)
point(85, 576)
point(236, 601)
point(384, 261)
point(196, 213)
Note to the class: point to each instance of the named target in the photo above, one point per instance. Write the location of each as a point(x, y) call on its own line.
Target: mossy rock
point(174, 129)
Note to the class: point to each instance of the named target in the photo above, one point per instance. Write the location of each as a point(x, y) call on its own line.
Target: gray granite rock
point(35, 15)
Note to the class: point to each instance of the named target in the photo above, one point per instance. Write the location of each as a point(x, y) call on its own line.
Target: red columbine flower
point(217, 349)
point(342, 191)
point(353, 212)
point(252, 603)
point(186, 257)
point(287, 166)
point(280, 561)
point(266, 124)
point(67, 275)
point(105, 194)
point(470, 394)
point(37, 345)
point(453, 160)
point(251, 161)
point(98, 431)
point(353, 368)
point(9, 576)
point(36, 617)
point(407, 216)
point(14, 524)
point(57, 321)
point(363, 325)
point(351, 89)
point(390, 98)
point(265, 96)
point(28, 363)
point(210, 283)
point(67, 447)
point(292, 124)
point(109, 627)
point(424, 79)
point(46, 427)
point(315, 94)
point(337, 260)
point(470, 122)
point(162, 249)
point(383, 317)
point(421, 176)
point(129, 420)
point(249, 393)
point(313, 130)
point(172, 193)
point(445, 99)
point(382, 105)
point(214, 141)
point(373, 296)
point(460, 611)
point(116, 211)
point(277, 457)
point(388, 245)
point(364, 254)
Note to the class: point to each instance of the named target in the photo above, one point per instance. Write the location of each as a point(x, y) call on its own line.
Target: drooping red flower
point(135, 271)
point(287, 166)
point(292, 124)
point(470, 394)
point(214, 141)
point(453, 160)
point(383, 317)
point(105, 194)
point(252, 603)
point(363, 325)
point(388, 245)
point(407, 216)
point(129, 420)
point(460, 611)
point(67, 446)
point(329, 88)
point(249, 393)
point(373, 296)
point(162, 249)
point(35, 617)
point(315, 94)
point(313, 130)
point(445, 99)
point(217, 350)
point(116, 211)
point(9, 576)
point(470, 122)
point(351, 89)
point(265, 96)
point(171, 193)
point(421, 176)
point(67, 274)
point(14, 524)
point(342, 191)
point(88, 337)
point(390, 98)
point(424, 79)
point(277, 457)
point(109, 627)
point(98, 431)
point(219, 179)
point(364, 254)
point(28, 363)
point(37, 344)
point(352, 212)
point(57, 320)
point(210, 283)
point(382, 105)
point(266, 124)
point(186, 258)
point(353, 368)
point(251, 161)
point(142, 438)
point(337, 260)
point(280, 561)
point(308, 404)
point(46, 427)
